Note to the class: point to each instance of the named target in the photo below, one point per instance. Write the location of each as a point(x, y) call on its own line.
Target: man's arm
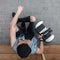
point(13, 26)
point(41, 47)
point(15, 19)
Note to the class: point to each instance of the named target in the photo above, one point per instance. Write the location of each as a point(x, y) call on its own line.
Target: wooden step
point(6, 49)
point(52, 56)
point(32, 57)
point(52, 49)
point(16, 57)
point(52, 52)
point(55, 49)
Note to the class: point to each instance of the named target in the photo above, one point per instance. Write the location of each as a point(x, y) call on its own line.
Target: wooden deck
point(52, 52)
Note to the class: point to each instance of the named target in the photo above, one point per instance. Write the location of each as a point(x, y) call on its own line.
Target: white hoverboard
point(41, 28)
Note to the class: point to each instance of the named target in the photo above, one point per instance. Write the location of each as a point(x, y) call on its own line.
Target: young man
point(26, 43)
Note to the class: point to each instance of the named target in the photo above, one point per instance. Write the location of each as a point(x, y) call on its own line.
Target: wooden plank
point(52, 52)
point(31, 57)
point(16, 57)
point(52, 56)
point(6, 49)
point(55, 49)
point(9, 57)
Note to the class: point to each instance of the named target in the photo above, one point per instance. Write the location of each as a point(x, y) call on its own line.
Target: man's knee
point(32, 18)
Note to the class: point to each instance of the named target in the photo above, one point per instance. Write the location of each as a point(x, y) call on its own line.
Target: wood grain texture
point(16, 57)
point(52, 56)
point(55, 49)
point(32, 57)
point(6, 49)
point(52, 49)
point(52, 52)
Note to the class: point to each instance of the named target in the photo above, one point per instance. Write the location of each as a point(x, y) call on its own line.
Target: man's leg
point(25, 19)
point(23, 27)
point(31, 28)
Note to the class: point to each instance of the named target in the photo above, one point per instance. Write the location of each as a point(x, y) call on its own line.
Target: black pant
point(28, 32)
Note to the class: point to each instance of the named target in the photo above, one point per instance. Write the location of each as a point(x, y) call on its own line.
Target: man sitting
point(26, 43)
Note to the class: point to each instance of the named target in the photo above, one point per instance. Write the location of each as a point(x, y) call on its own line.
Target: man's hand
point(20, 9)
point(24, 41)
point(39, 36)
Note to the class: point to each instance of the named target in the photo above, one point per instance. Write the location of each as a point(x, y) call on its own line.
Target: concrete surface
point(46, 10)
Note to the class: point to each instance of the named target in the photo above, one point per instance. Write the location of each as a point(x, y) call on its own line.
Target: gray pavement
point(46, 10)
